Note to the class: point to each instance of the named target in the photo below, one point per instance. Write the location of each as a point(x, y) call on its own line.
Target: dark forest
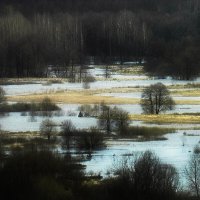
point(36, 34)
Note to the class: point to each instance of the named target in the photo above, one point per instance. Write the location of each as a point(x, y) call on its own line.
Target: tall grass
point(148, 132)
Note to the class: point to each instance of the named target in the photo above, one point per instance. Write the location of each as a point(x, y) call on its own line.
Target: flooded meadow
point(175, 149)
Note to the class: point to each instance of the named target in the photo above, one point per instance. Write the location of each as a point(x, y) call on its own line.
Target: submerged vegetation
point(45, 106)
point(148, 132)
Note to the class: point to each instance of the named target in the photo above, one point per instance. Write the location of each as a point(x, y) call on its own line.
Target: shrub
point(156, 98)
point(145, 177)
point(47, 106)
point(113, 119)
point(67, 130)
point(90, 140)
point(39, 175)
point(48, 128)
point(2, 95)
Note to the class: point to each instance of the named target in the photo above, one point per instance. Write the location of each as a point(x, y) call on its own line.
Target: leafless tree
point(67, 130)
point(113, 119)
point(147, 177)
point(2, 95)
point(48, 128)
point(156, 98)
point(192, 173)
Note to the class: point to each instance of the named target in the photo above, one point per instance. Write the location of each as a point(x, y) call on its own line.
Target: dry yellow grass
point(187, 102)
point(167, 118)
point(114, 90)
point(86, 97)
point(71, 97)
point(188, 93)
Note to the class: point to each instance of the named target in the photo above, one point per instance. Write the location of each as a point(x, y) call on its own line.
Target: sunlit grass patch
point(167, 118)
point(73, 97)
point(188, 93)
point(187, 102)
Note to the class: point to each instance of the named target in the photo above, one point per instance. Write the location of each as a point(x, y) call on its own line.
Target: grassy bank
point(24, 81)
point(86, 97)
point(74, 98)
point(167, 118)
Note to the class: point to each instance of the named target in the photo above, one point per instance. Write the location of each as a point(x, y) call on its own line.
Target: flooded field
point(117, 80)
point(176, 150)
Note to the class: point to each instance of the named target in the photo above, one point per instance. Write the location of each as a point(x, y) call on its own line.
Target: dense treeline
point(66, 33)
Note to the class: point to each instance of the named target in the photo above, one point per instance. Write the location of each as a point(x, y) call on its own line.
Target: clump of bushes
point(90, 140)
point(113, 119)
point(39, 175)
point(89, 110)
point(45, 107)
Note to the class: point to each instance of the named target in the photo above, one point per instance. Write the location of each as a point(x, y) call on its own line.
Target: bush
point(90, 111)
point(113, 119)
point(47, 106)
point(146, 177)
point(68, 130)
point(48, 128)
point(2, 95)
point(37, 175)
point(156, 98)
point(30, 107)
point(93, 139)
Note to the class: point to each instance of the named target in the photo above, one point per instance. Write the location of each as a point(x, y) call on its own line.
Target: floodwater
point(42, 88)
point(176, 150)
point(14, 122)
point(17, 122)
point(121, 81)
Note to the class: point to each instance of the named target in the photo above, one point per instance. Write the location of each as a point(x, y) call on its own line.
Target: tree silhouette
point(156, 98)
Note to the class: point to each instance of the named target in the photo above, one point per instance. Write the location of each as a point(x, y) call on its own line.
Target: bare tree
point(121, 119)
point(192, 173)
point(90, 140)
point(105, 120)
point(113, 119)
point(67, 129)
point(2, 95)
point(156, 98)
point(147, 177)
point(48, 128)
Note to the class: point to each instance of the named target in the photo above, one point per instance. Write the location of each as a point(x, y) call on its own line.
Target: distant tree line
point(37, 34)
